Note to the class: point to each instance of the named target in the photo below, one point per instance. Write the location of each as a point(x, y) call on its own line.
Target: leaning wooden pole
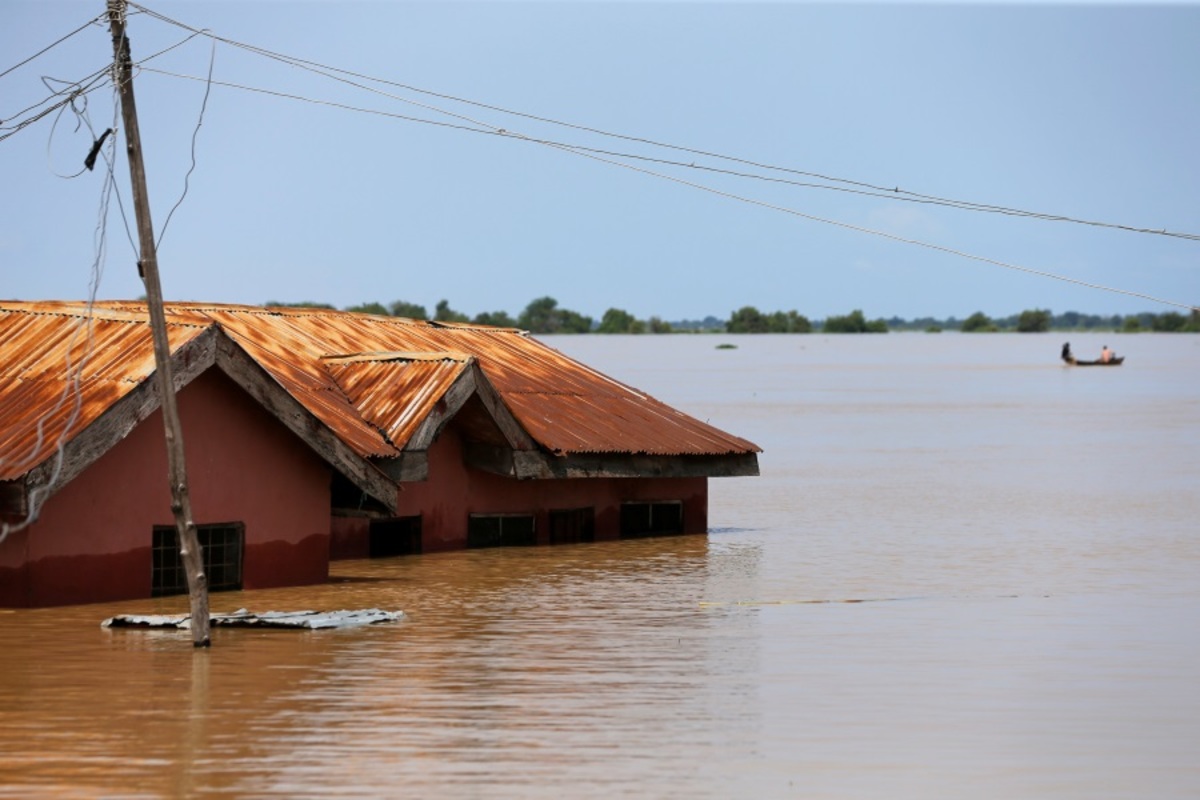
point(181, 504)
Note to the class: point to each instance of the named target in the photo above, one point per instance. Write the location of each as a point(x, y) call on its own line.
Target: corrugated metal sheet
point(59, 373)
point(396, 395)
point(370, 379)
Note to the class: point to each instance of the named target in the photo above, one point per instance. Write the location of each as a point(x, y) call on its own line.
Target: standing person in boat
point(1106, 355)
point(1066, 353)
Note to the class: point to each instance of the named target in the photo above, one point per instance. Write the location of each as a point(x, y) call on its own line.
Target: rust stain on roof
point(370, 379)
point(60, 370)
point(396, 395)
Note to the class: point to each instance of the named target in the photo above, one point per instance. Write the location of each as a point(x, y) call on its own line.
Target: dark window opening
point(398, 536)
point(222, 547)
point(500, 530)
point(651, 519)
point(572, 526)
point(349, 500)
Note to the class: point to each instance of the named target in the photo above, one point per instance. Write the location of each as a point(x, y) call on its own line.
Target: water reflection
point(507, 657)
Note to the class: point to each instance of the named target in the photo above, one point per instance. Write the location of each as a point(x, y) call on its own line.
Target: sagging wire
point(590, 153)
point(869, 189)
point(77, 89)
point(72, 92)
point(49, 47)
point(195, 134)
point(73, 385)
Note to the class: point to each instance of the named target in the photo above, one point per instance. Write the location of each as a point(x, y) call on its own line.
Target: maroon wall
point(92, 540)
point(454, 491)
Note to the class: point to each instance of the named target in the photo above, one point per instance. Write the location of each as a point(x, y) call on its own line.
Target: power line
point(869, 189)
point(50, 47)
point(195, 133)
point(80, 88)
point(73, 371)
point(594, 155)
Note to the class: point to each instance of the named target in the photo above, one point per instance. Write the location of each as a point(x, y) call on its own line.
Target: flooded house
point(313, 435)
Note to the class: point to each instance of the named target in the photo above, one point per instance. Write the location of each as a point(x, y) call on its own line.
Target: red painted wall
point(454, 491)
point(92, 540)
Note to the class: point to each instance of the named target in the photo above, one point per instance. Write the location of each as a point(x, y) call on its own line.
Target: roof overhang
point(537, 464)
point(212, 348)
point(413, 463)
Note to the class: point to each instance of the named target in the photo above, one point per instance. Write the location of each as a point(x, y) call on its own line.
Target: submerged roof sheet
point(370, 379)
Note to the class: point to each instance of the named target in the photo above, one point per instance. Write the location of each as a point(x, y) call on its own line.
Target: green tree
point(656, 325)
point(747, 319)
point(978, 323)
point(616, 320)
point(1131, 325)
point(854, 322)
point(544, 316)
point(368, 308)
point(499, 319)
point(301, 304)
point(788, 322)
point(1034, 320)
point(1170, 322)
point(400, 308)
point(442, 312)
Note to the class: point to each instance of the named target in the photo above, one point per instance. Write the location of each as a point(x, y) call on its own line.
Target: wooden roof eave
point(256, 381)
point(115, 423)
point(539, 465)
point(211, 348)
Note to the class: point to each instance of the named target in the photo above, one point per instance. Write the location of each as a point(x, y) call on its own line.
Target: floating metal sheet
point(310, 620)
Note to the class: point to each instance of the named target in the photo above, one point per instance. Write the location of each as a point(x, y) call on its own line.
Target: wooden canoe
point(1112, 362)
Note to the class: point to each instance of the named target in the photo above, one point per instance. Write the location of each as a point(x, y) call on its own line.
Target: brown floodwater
point(966, 571)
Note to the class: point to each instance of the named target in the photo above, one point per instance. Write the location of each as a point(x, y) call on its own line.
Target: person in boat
point(1066, 352)
point(1106, 355)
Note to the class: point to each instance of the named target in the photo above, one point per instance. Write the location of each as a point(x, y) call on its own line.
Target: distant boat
point(1115, 361)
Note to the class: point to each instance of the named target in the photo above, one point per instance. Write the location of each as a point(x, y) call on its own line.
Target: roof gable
point(359, 388)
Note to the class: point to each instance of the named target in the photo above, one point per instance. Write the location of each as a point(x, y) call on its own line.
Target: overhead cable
point(195, 134)
point(594, 155)
point(50, 47)
point(870, 189)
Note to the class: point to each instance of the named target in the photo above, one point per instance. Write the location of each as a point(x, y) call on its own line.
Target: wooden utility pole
point(181, 504)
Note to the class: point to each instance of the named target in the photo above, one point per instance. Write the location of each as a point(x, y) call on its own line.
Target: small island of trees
point(544, 316)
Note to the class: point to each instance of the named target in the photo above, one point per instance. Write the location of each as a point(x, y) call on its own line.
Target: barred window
point(222, 546)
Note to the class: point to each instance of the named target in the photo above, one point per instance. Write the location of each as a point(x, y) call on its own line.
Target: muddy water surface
point(965, 572)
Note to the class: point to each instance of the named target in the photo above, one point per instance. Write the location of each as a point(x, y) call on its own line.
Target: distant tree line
point(544, 315)
point(1042, 320)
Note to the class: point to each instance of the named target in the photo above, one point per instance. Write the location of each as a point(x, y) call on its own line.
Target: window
point(500, 530)
point(572, 526)
point(651, 519)
point(222, 546)
point(398, 536)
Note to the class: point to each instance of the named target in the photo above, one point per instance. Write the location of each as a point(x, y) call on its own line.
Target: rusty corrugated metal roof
point(60, 370)
point(396, 395)
point(370, 379)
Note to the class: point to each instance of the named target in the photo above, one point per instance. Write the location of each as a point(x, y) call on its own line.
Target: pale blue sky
point(1087, 111)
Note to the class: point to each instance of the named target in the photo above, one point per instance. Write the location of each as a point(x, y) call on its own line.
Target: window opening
point(222, 546)
point(398, 536)
point(651, 519)
point(500, 530)
point(572, 526)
